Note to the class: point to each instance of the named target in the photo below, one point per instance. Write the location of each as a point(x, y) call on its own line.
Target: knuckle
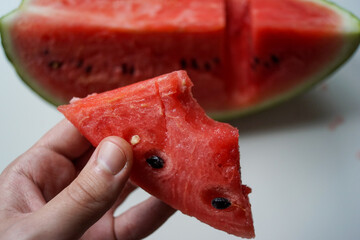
point(89, 192)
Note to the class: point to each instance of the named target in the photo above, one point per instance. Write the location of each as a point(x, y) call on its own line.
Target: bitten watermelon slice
point(181, 156)
point(242, 55)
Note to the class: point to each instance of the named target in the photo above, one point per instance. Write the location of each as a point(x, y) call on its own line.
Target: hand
point(62, 188)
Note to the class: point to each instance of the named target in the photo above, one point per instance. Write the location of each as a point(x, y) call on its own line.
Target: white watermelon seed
point(135, 140)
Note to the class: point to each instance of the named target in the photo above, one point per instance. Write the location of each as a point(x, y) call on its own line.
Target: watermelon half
point(181, 156)
point(242, 55)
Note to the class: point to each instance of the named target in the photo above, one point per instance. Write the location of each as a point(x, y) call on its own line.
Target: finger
point(142, 220)
point(65, 139)
point(127, 190)
point(91, 194)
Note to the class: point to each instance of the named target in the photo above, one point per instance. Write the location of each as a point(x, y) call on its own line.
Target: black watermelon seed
point(131, 70)
point(216, 60)
point(124, 68)
point(275, 59)
point(256, 60)
point(55, 64)
point(88, 69)
point(183, 63)
point(220, 203)
point(80, 63)
point(155, 162)
point(194, 64)
point(46, 52)
point(207, 66)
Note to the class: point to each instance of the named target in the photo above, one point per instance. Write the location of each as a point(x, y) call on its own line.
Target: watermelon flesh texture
point(312, 40)
point(284, 47)
point(242, 55)
point(201, 155)
point(94, 54)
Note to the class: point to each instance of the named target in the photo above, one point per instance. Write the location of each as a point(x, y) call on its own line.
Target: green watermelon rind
point(11, 56)
point(352, 40)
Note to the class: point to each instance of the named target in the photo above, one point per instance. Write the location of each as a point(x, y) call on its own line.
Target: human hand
point(62, 188)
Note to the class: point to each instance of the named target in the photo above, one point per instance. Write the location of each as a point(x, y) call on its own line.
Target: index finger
point(65, 139)
point(142, 220)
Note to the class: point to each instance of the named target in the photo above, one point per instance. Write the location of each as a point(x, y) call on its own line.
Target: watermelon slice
point(181, 156)
point(242, 55)
point(287, 46)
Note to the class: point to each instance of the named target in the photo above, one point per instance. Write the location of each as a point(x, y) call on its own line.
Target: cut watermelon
point(97, 49)
point(242, 55)
point(287, 46)
point(181, 156)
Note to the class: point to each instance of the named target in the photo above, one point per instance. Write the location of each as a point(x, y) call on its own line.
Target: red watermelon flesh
point(100, 49)
point(283, 47)
point(288, 48)
point(242, 55)
point(201, 155)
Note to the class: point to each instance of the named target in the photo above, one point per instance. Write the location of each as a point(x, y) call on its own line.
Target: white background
point(305, 177)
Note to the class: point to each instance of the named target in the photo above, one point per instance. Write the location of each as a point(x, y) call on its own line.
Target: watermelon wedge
point(181, 156)
point(242, 55)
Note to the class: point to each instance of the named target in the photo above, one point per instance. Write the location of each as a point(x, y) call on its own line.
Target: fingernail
point(111, 157)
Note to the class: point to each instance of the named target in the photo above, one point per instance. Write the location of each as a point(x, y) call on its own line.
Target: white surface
point(305, 177)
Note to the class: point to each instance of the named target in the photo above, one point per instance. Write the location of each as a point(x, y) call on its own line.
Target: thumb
point(91, 194)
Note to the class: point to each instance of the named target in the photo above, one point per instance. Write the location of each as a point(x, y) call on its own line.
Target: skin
point(62, 188)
